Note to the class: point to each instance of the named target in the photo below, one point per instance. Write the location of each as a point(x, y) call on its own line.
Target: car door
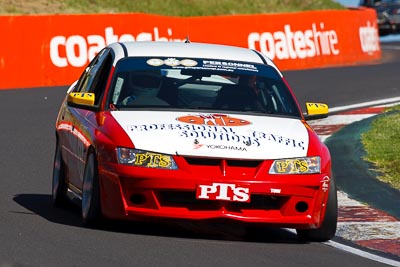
point(83, 121)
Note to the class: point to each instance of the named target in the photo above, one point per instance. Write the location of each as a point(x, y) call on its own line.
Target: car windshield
point(201, 84)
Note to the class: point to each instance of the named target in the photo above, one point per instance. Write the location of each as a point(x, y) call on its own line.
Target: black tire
point(91, 210)
point(328, 228)
point(59, 182)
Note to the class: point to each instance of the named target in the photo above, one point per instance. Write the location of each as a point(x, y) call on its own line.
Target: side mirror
point(316, 111)
point(86, 99)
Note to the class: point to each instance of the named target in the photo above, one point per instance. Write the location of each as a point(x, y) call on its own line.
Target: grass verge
point(164, 7)
point(382, 144)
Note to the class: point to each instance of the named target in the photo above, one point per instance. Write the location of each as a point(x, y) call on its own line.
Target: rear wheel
point(59, 184)
point(328, 228)
point(91, 210)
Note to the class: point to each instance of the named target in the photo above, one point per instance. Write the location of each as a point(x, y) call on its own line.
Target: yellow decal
point(153, 160)
point(292, 166)
point(81, 98)
point(317, 108)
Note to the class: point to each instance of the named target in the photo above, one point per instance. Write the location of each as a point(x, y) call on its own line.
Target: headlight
point(143, 158)
point(306, 165)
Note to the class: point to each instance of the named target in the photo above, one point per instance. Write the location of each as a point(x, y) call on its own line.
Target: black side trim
point(261, 56)
point(125, 49)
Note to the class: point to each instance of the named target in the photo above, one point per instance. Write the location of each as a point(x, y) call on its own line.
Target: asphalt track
point(33, 233)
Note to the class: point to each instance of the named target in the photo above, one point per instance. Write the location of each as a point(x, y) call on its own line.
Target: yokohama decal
point(213, 120)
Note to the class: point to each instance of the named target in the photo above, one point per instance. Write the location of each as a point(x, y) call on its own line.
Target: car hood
point(215, 135)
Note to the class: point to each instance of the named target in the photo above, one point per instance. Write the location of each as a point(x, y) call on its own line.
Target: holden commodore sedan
point(157, 130)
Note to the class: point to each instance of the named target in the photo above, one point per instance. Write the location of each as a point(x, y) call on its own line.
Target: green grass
point(382, 145)
point(166, 7)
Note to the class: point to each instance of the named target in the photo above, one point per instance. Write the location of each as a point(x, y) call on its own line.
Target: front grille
point(259, 202)
point(203, 161)
point(243, 163)
point(187, 199)
point(218, 162)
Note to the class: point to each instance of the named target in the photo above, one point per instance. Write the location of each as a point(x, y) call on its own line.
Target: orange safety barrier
point(53, 50)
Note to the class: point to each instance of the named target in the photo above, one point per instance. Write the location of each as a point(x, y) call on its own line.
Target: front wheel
point(328, 227)
point(59, 184)
point(91, 210)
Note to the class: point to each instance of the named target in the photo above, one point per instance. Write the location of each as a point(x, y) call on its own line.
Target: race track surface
point(33, 233)
point(352, 84)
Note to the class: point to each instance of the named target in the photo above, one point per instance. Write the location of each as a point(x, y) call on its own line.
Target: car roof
point(190, 50)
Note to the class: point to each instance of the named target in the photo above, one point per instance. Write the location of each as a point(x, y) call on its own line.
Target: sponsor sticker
point(275, 190)
point(197, 145)
point(155, 62)
point(213, 120)
point(198, 128)
point(325, 183)
point(224, 192)
point(172, 62)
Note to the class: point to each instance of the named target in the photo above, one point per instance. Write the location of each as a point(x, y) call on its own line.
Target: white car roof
point(190, 50)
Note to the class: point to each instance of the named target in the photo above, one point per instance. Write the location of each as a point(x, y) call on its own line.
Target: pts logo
point(220, 191)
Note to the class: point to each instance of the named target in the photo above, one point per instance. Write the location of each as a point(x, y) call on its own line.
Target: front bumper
point(296, 201)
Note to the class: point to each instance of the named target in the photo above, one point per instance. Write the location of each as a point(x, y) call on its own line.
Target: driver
point(144, 87)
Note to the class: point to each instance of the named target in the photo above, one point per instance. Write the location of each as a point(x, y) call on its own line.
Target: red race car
point(192, 131)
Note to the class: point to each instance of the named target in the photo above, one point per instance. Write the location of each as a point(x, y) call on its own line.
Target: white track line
point(366, 104)
point(362, 253)
point(356, 251)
